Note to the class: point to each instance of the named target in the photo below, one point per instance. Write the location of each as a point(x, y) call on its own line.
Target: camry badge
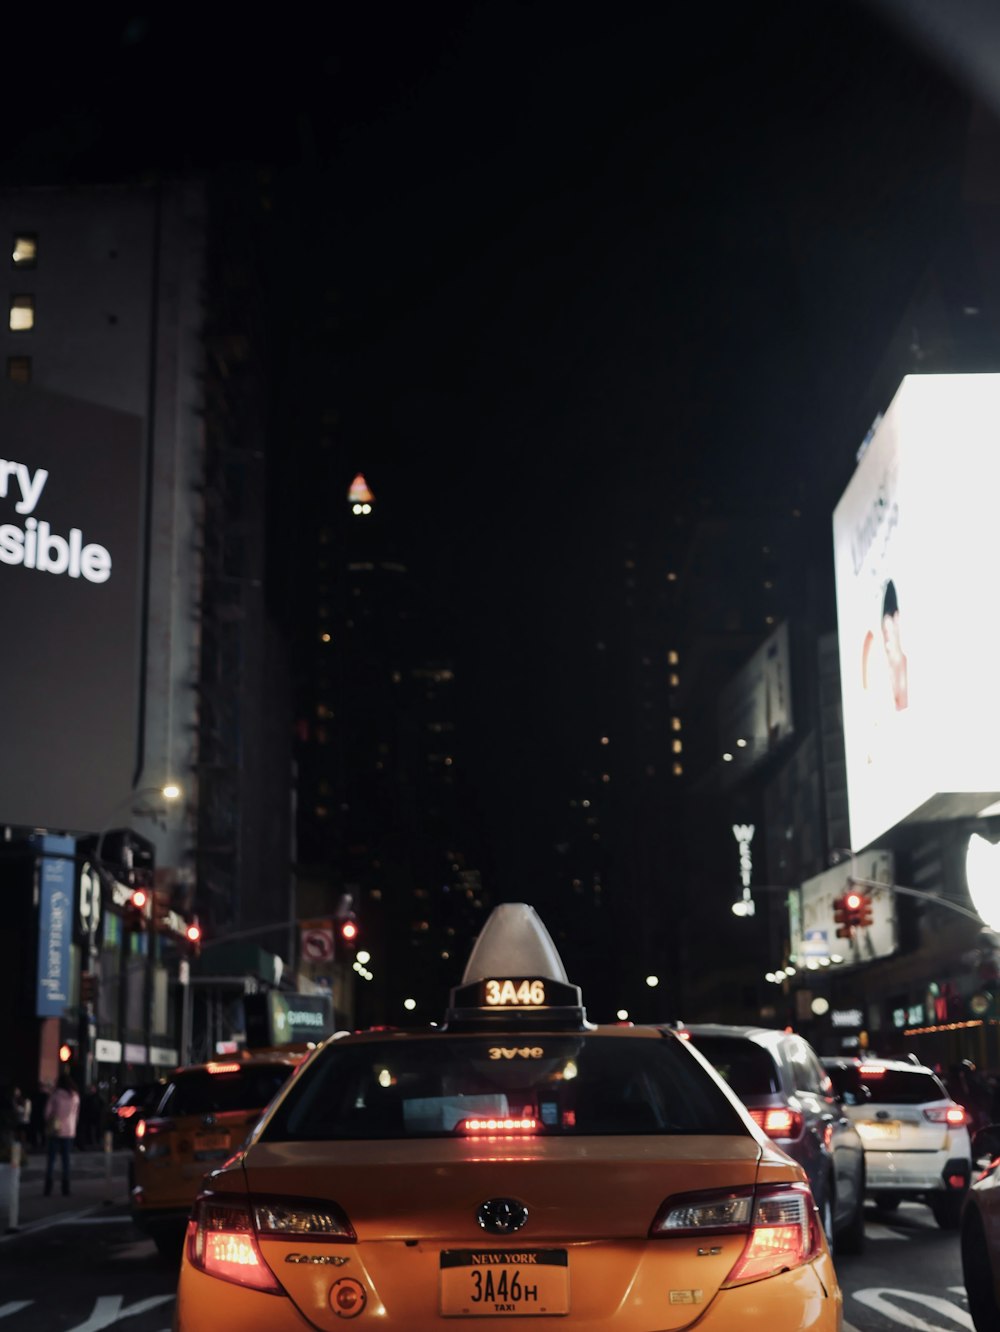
point(502, 1216)
point(327, 1259)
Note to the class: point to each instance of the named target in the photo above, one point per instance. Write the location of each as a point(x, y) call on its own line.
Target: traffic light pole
point(923, 896)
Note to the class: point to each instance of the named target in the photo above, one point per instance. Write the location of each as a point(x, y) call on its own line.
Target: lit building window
point(22, 313)
point(24, 253)
point(678, 746)
point(672, 658)
point(324, 638)
point(678, 769)
point(674, 679)
point(769, 619)
point(605, 776)
point(605, 740)
point(671, 577)
point(675, 723)
point(19, 369)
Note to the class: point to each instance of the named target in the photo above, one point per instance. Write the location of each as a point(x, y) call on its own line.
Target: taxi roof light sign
point(515, 976)
point(514, 942)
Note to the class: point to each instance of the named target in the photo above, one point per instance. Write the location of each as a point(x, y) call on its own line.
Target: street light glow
point(171, 791)
point(622, 1015)
point(364, 955)
point(409, 1004)
point(652, 981)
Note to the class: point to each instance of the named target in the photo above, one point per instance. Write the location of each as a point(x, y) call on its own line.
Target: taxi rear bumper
point(807, 1299)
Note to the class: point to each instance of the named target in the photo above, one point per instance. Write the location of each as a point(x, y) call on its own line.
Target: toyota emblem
point(501, 1216)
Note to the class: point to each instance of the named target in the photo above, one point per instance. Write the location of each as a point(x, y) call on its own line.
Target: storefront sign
point(847, 1017)
point(55, 923)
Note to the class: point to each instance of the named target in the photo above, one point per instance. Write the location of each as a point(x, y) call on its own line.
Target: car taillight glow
point(126, 1111)
point(505, 1125)
point(778, 1121)
point(222, 1243)
point(947, 1114)
point(223, 1068)
point(779, 1221)
point(140, 1129)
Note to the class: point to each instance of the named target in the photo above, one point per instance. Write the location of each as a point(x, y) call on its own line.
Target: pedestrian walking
point(61, 1112)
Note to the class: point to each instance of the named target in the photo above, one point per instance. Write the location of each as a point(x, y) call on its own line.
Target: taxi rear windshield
point(446, 1086)
point(203, 1093)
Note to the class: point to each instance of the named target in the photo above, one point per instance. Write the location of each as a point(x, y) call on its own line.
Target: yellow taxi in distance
point(517, 1161)
point(202, 1115)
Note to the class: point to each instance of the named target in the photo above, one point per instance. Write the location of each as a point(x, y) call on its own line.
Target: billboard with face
point(70, 520)
point(916, 546)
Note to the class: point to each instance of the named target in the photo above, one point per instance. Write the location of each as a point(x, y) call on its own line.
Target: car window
point(847, 1083)
point(892, 1086)
point(746, 1066)
point(200, 1092)
point(557, 1086)
point(807, 1076)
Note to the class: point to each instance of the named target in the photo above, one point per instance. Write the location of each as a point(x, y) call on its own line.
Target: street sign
point(317, 941)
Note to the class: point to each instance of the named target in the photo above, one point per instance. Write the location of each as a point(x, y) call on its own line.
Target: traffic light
point(865, 911)
point(136, 909)
point(842, 918)
point(193, 936)
point(348, 930)
point(853, 902)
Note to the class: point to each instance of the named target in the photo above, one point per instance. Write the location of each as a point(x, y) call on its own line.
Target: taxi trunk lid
point(591, 1199)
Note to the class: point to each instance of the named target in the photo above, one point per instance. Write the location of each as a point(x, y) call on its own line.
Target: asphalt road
point(84, 1269)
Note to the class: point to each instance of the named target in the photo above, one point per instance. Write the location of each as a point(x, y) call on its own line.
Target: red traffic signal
point(65, 1054)
point(139, 899)
point(348, 930)
point(842, 917)
point(136, 909)
point(193, 933)
point(865, 911)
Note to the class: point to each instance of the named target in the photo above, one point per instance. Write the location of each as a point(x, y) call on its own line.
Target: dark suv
point(778, 1077)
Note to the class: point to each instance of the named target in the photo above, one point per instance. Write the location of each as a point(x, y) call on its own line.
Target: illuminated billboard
point(70, 519)
point(916, 549)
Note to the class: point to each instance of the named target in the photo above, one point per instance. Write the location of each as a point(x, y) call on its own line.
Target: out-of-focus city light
point(652, 981)
point(727, 757)
point(789, 971)
point(364, 956)
point(409, 1004)
point(171, 791)
point(820, 1005)
point(741, 743)
point(622, 1015)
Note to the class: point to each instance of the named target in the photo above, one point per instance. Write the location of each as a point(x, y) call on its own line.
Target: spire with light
point(359, 497)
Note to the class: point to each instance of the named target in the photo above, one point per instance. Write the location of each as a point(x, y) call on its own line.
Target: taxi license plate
point(504, 1282)
point(886, 1131)
point(211, 1142)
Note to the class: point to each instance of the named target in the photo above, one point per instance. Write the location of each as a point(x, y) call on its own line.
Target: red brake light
point(947, 1114)
point(222, 1243)
point(684, 1035)
point(140, 1129)
point(778, 1121)
point(505, 1125)
point(126, 1111)
point(778, 1220)
point(223, 1068)
point(871, 1071)
point(783, 1234)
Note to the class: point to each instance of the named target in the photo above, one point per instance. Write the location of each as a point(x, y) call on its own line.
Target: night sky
point(594, 263)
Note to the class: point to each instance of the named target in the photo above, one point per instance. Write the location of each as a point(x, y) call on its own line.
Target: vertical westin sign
point(55, 923)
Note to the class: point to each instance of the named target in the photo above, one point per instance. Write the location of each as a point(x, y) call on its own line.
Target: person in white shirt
point(61, 1112)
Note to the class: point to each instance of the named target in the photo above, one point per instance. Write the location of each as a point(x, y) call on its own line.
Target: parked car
point(778, 1077)
point(980, 1242)
point(916, 1136)
point(202, 1116)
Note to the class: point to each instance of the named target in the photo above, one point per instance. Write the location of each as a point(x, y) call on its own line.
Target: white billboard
point(916, 548)
point(813, 930)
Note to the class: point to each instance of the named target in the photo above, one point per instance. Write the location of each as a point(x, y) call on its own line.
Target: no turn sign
point(317, 941)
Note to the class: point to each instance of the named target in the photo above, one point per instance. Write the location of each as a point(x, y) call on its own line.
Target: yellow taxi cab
point(202, 1115)
point(516, 1161)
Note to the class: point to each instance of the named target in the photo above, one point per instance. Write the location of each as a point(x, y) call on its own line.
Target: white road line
point(108, 1309)
point(13, 1307)
point(61, 1219)
point(881, 1299)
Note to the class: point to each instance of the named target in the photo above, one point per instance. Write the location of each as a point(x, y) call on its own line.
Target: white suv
point(916, 1137)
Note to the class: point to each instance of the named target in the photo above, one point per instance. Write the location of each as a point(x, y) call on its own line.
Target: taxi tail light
point(778, 1121)
point(222, 1243)
point(146, 1133)
point(779, 1222)
point(784, 1234)
point(954, 1115)
point(302, 1219)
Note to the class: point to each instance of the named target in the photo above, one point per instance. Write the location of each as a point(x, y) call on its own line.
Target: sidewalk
point(98, 1183)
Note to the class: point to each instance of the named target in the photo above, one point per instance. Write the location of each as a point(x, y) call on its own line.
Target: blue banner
point(57, 877)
